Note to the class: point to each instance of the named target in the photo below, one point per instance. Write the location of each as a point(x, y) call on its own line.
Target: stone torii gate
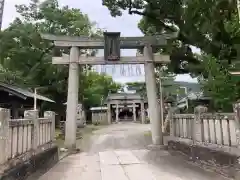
point(111, 43)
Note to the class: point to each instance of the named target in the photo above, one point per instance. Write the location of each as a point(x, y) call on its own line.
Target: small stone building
point(99, 115)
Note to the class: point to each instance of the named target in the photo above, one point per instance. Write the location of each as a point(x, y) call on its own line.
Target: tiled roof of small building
point(22, 93)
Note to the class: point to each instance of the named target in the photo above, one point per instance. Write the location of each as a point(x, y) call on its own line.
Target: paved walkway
point(119, 152)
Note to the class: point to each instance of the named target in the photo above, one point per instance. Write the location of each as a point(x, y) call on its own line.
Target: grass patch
point(147, 133)
point(147, 120)
point(82, 134)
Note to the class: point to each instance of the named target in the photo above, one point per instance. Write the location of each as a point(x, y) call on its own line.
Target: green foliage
point(169, 87)
point(139, 87)
point(211, 26)
point(26, 58)
point(97, 87)
point(222, 87)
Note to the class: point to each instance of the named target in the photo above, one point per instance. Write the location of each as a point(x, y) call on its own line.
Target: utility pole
point(101, 118)
point(186, 93)
point(238, 8)
point(161, 97)
point(35, 99)
point(35, 96)
point(1, 12)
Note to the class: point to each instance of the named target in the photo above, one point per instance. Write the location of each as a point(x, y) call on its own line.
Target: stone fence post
point(4, 128)
point(109, 113)
point(172, 123)
point(33, 115)
point(236, 110)
point(51, 115)
point(197, 123)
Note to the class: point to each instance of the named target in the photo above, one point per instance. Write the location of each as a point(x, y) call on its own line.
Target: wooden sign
point(112, 46)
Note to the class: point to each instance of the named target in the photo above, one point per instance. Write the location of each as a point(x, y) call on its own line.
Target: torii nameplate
point(112, 46)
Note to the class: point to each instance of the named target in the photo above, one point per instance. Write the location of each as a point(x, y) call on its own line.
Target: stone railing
point(20, 139)
point(216, 129)
point(182, 125)
point(209, 140)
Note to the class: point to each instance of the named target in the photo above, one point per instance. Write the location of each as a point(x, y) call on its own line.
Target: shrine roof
point(124, 96)
point(22, 93)
point(98, 108)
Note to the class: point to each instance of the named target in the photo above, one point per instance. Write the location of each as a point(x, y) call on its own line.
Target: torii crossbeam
point(98, 43)
point(157, 58)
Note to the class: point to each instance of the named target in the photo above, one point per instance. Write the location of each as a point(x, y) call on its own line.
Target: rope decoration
point(126, 70)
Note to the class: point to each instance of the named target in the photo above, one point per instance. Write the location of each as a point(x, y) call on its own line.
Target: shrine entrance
point(112, 43)
point(125, 114)
point(126, 107)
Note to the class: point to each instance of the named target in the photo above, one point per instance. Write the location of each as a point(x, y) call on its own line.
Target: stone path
point(119, 152)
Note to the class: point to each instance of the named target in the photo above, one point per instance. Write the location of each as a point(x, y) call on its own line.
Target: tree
point(169, 87)
point(223, 88)
point(97, 87)
point(26, 58)
point(139, 87)
point(211, 26)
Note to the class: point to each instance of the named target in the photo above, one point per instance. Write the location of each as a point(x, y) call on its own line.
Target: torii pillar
point(154, 108)
point(72, 99)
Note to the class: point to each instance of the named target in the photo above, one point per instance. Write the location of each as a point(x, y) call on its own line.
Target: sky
point(126, 24)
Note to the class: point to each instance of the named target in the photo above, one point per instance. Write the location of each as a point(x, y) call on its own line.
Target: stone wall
point(225, 162)
point(33, 167)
